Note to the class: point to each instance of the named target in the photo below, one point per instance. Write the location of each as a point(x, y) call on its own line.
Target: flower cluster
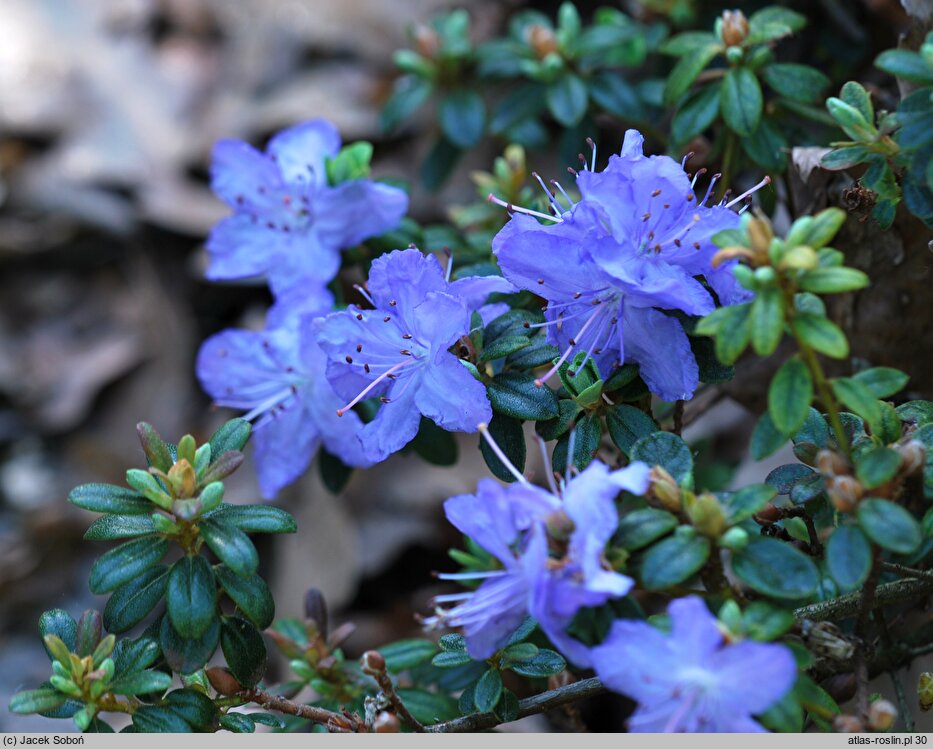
point(612, 264)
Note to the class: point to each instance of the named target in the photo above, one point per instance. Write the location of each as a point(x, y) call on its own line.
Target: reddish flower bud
point(734, 27)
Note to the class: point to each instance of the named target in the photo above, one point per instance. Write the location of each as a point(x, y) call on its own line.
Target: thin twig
point(847, 606)
point(678, 417)
point(334, 722)
point(374, 664)
point(530, 706)
point(861, 632)
point(900, 569)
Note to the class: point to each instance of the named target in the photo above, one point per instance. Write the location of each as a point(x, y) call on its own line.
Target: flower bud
point(765, 275)
point(847, 724)
point(881, 715)
point(386, 722)
point(373, 662)
point(831, 464)
point(734, 539)
point(734, 27)
point(913, 456)
point(760, 234)
point(223, 681)
point(665, 489)
point(844, 492)
point(183, 478)
point(705, 514)
point(559, 525)
point(925, 690)
point(542, 40)
point(316, 610)
point(427, 41)
point(734, 55)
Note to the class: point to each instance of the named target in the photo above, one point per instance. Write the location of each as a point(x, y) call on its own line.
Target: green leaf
point(111, 527)
point(844, 158)
point(848, 557)
point(553, 429)
point(231, 436)
point(789, 396)
point(507, 433)
point(917, 412)
point(824, 227)
point(195, 707)
point(882, 381)
point(776, 569)
point(231, 545)
point(733, 329)
point(744, 503)
point(132, 656)
point(545, 663)
point(687, 42)
point(889, 525)
point(191, 596)
point(408, 94)
point(255, 518)
point(405, 654)
point(627, 425)
point(125, 562)
point(686, 71)
point(773, 22)
point(766, 438)
point(587, 435)
point(220, 466)
point(352, 162)
point(858, 398)
point(783, 478)
point(925, 435)
point(641, 527)
point(698, 111)
point(516, 395)
point(244, 650)
point(60, 623)
point(822, 335)
point(833, 280)
point(428, 707)
point(453, 643)
point(614, 94)
point(668, 451)
point(905, 64)
point(462, 117)
point(521, 104)
point(673, 560)
point(36, 701)
point(767, 320)
point(784, 716)
point(740, 99)
point(876, 466)
point(334, 472)
point(851, 120)
point(250, 593)
point(488, 691)
point(504, 346)
point(767, 146)
point(520, 651)
point(763, 622)
point(435, 445)
point(154, 719)
point(450, 659)
point(566, 99)
point(132, 602)
point(187, 656)
point(798, 82)
point(238, 723)
point(106, 498)
point(807, 489)
point(142, 682)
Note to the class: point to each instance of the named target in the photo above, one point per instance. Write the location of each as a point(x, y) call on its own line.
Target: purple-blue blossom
point(692, 680)
point(288, 224)
point(398, 351)
point(551, 545)
point(611, 263)
point(277, 375)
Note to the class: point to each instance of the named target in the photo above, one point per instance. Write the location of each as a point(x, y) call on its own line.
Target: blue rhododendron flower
point(610, 263)
point(692, 680)
point(278, 375)
point(399, 350)
point(288, 224)
point(549, 577)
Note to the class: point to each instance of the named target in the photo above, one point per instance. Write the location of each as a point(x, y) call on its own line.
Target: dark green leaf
point(191, 596)
point(668, 451)
point(142, 682)
point(154, 719)
point(504, 346)
point(255, 518)
point(408, 95)
point(450, 659)
point(435, 445)
point(882, 381)
point(453, 643)
point(740, 99)
point(776, 569)
point(507, 709)
point(767, 320)
point(673, 560)
point(697, 113)
point(196, 708)
point(516, 395)
point(642, 527)
point(36, 701)
point(507, 433)
point(848, 557)
point(125, 562)
point(524, 103)
point(889, 525)
point(614, 94)
point(523, 631)
point(833, 280)
point(763, 622)
point(186, 656)
point(821, 334)
point(114, 500)
point(553, 429)
point(132, 601)
point(783, 478)
point(859, 398)
point(587, 434)
point(799, 82)
point(428, 707)
point(844, 158)
point(60, 623)
point(566, 99)
point(488, 691)
point(876, 466)
point(545, 663)
point(627, 425)
point(238, 723)
point(744, 503)
point(111, 527)
point(462, 117)
point(251, 595)
point(767, 146)
point(406, 654)
point(686, 71)
point(132, 656)
point(231, 545)
point(789, 396)
point(231, 436)
point(439, 163)
point(334, 472)
point(766, 438)
point(244, 650)
point(157, 451)
point(906, 64)
point(784, 716)
point(807, 489)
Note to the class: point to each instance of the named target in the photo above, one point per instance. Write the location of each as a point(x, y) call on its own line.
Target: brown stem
point(334, 722)
point(861, 632)
point(900, 569)
point(678, 417)
point(375, 667)
point(847, 606)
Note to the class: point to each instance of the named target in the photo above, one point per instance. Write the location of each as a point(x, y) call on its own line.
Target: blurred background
point(108, 111)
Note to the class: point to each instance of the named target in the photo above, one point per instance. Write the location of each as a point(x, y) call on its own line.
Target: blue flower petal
point(241, 248)
point(285, 444)
point(353, 211)
point(474, 290)
point(242, 176)
point(395, 425)
point(658, 344)
point(404, 277)
point(451, 397)
point(300, 151)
